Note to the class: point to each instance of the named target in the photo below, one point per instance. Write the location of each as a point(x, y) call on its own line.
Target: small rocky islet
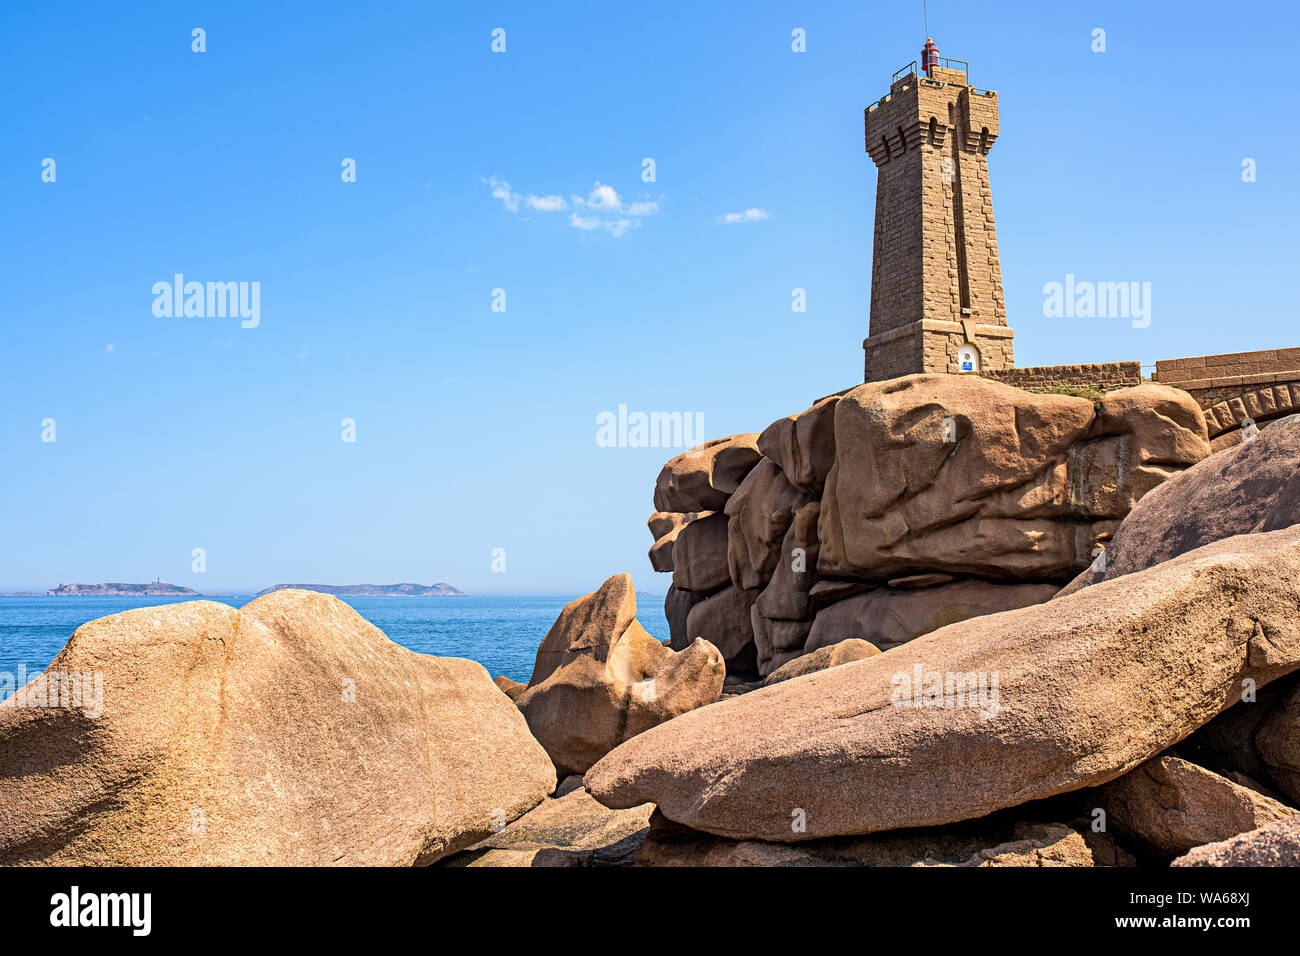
point(933, 621)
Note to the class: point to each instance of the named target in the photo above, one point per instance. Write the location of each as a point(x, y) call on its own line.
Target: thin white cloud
point(501, 190)
point(547, 203)
point(601, 209)
point(749, 215)
point(615, 227)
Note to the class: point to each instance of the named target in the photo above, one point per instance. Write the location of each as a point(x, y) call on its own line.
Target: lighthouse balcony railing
point(943, 62)
point(947, 64)
point(904, 71)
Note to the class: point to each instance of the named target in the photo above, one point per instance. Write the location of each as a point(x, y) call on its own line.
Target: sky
point(503, 269)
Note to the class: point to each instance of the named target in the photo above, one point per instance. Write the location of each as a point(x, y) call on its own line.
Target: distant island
point(440, 589)
point(163, 589)
point(115, 589)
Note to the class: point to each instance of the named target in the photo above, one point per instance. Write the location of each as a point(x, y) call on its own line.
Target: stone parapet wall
point(1102, 376)
point(1230, 369)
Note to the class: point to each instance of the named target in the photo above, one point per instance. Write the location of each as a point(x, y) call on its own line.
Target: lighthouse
point(936, 282)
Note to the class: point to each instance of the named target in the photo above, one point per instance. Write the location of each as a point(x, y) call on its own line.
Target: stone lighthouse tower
point(936, 285)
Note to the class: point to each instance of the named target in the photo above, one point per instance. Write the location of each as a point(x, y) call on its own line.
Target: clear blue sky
point(476, 429)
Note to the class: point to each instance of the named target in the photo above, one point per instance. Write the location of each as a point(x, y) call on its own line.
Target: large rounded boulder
point(957, 474)
point(982, 715)
point(288, 732)
point(600, 678)
point(1250, 487)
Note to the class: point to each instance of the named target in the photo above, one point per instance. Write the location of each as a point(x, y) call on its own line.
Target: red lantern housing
point(929, 56)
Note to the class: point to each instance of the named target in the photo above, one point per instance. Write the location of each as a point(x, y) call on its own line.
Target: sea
point(501, 633)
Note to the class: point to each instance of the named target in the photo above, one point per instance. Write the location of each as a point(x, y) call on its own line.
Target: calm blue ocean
point(501, 633)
